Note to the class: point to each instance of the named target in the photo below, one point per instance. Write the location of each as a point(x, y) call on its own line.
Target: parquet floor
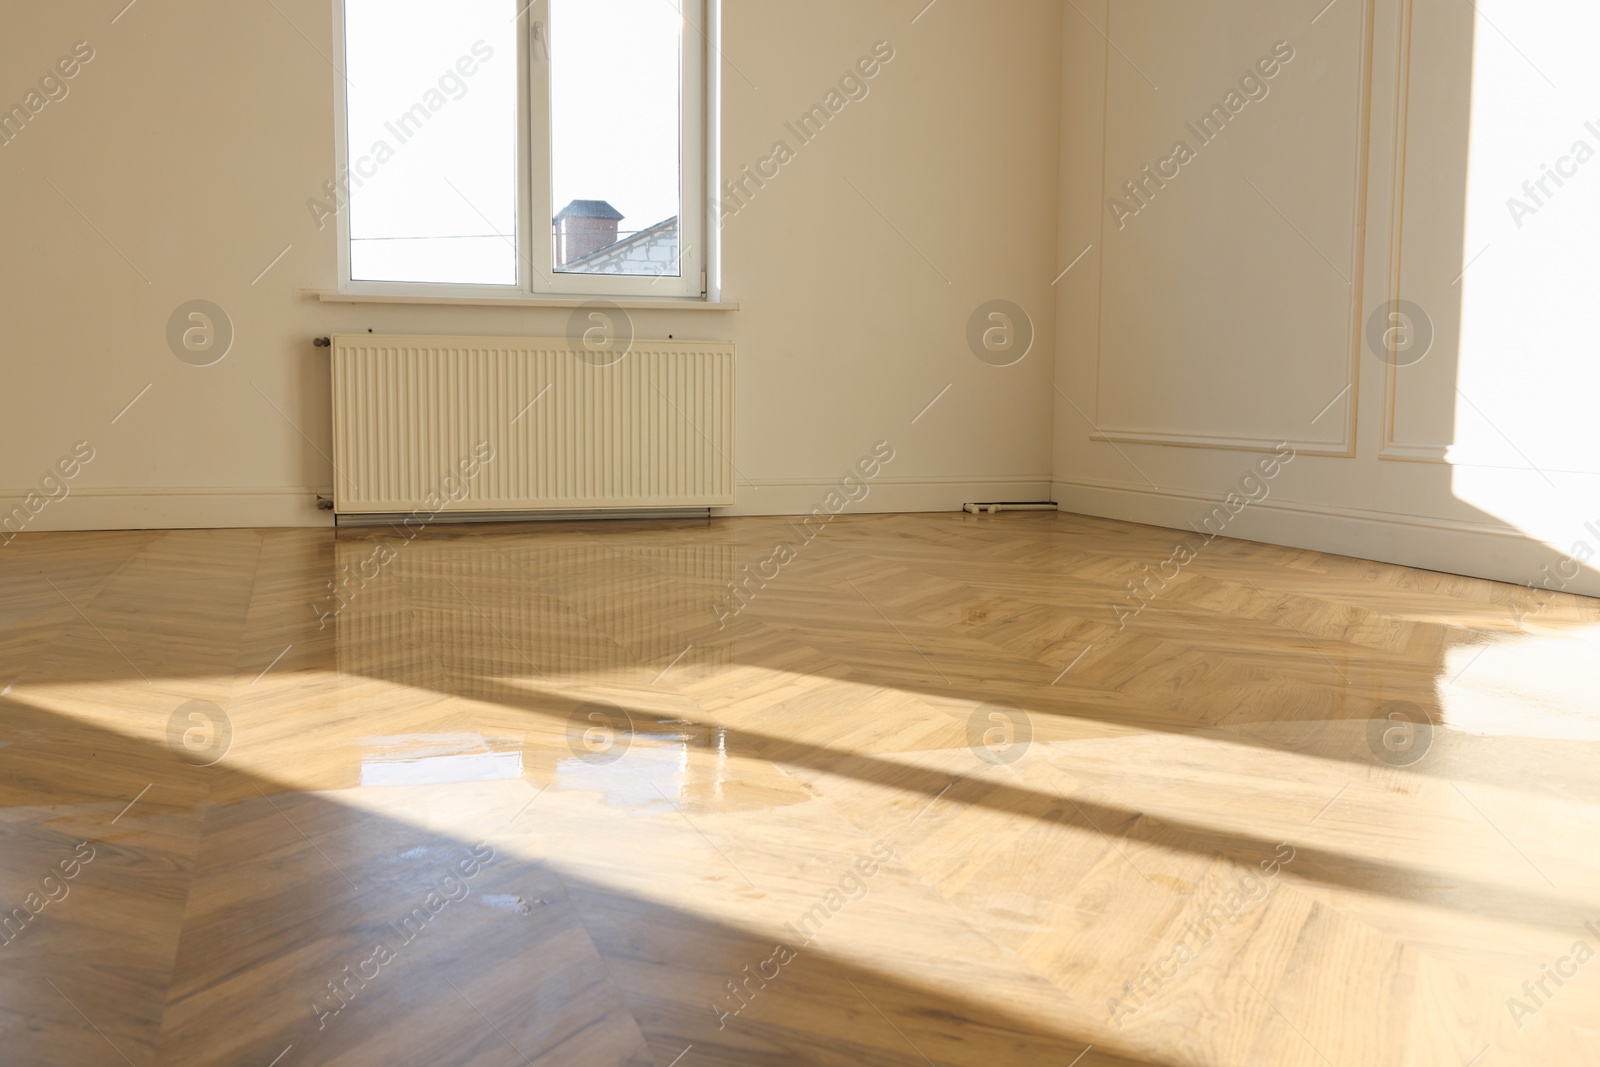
point(552, 795)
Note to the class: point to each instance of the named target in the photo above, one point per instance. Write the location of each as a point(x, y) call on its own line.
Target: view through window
point(617, 128)
point(437, 172)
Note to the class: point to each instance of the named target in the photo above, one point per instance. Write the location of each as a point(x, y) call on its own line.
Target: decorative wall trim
point(1388, 445)
point(1414, 453)
point(163, 508)
point(1345, 447)
point(957, 479)
point(1478, 458)
point(199, 509)
point(1199, 497)
point(797, 496)
point(1494, 551)
point(1336, 449)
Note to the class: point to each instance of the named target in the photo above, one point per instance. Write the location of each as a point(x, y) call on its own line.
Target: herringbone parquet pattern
point(632, 793)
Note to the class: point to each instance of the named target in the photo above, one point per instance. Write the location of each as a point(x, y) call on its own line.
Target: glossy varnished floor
point(549, 795)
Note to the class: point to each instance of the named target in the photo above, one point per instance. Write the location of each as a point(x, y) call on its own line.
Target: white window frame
point(697, 280)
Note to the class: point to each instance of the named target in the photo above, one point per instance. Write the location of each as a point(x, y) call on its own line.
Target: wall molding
point(1345, 447)
point(886, 495)
point(1399, 453)
point(1388, 446)
point(169, 508)
point(1335, 449)
point(1477, 458)
point(1494, 551)
point(163, 508)
point(1296, 506)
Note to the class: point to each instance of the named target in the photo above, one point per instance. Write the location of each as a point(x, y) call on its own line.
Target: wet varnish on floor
point(920, 790)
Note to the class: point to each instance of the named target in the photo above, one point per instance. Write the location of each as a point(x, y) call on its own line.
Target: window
point(501, 147)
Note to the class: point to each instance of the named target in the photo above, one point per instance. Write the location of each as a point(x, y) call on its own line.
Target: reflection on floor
point(634, 793)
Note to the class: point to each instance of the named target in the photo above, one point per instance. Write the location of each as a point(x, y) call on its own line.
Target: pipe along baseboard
point(996, 508)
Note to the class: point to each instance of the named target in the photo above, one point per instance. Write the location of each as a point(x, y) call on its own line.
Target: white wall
point(1230, 312)
point(189, 145)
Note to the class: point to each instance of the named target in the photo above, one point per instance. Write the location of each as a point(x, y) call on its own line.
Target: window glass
point(617, 134)
point(432, 140)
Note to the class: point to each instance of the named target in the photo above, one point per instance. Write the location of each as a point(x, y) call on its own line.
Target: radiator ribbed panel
point(652, 430)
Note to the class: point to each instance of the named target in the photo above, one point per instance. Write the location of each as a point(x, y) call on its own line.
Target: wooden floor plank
point(928, 792)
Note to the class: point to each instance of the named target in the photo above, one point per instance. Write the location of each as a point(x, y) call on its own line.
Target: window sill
point(328, 296)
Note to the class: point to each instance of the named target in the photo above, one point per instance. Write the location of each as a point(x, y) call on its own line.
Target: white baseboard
point(1484, 550)
point(885, 495)
point(181, 509)
point(170, 509)
point(1481, 550)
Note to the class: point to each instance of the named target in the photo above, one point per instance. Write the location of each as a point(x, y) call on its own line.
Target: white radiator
point(478, 424)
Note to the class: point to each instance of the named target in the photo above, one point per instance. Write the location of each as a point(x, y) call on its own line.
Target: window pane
point(617, 131)
point(432, 122)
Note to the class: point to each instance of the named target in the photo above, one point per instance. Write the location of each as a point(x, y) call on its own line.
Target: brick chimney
point(582, 227)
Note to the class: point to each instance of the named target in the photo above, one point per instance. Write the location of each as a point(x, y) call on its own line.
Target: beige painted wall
point(1225, 315)
point(1227, 308)
point(179, 164)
